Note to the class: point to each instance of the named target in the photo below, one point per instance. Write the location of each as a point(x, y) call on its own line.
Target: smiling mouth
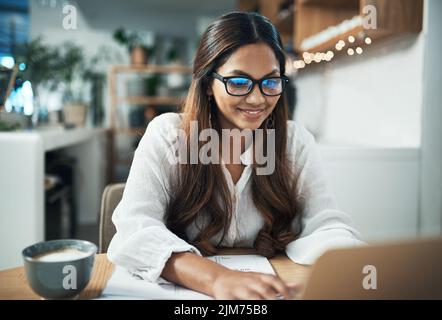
point(251, 112)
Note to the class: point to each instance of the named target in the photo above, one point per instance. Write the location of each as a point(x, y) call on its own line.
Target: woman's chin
point(243, 125)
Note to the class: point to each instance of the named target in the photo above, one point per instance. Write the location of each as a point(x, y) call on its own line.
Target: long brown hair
point(201, 190)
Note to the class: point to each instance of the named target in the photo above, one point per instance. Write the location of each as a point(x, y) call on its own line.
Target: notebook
point(123, 285)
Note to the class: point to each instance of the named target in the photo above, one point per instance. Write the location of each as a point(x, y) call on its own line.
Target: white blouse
point(143, 244)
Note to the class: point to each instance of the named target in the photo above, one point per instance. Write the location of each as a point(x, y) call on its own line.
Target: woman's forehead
point(257, 60)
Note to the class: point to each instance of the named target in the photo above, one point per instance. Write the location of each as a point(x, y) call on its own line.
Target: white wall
point(170, 17)
point(431, 164)
point(98, 19)
point(377, 187)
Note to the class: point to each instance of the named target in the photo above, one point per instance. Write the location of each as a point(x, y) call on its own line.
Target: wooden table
point(14, 286)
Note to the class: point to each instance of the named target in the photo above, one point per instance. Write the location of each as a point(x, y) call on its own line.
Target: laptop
point(396, 270)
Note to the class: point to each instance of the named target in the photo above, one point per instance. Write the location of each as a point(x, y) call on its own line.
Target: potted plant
point(139, 51)
point(53, 68)
point(175, 80)
point(71, 69)
point(40, 61)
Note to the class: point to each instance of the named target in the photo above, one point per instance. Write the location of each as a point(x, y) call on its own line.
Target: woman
point(173, 213)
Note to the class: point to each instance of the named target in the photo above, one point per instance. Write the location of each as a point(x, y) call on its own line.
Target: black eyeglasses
point(243, 85)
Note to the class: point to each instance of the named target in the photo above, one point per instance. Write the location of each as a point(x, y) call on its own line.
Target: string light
point(309, 57)
point(339, 45)
point(299, 64)
point(317, 57)
point(329, 55)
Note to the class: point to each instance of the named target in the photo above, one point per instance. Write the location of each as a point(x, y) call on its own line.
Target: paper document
point(246, 263)
point(123, 285)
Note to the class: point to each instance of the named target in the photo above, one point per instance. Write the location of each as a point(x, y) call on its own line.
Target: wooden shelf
point(156, 104)
point(151, 69)
point(152, 100)
point(394, 18)
point(313, 19)
point(357, 32)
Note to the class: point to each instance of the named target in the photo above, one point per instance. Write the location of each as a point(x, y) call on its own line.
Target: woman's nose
point(255, 97)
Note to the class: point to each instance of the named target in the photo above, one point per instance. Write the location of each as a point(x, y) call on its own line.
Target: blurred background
point(81, 80)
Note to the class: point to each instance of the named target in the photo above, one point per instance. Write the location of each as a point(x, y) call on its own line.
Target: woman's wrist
point(218, 273)
point(194, 272)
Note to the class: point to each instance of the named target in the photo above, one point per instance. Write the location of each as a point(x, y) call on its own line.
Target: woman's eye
point(271, 83)
point(239, 82)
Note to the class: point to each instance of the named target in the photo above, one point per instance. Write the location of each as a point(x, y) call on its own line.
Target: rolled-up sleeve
point(324, 226)
point(143, 243)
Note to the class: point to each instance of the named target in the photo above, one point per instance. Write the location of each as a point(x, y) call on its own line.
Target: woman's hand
point(232, 284)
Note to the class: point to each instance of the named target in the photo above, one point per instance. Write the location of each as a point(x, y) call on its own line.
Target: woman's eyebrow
point(248, 75)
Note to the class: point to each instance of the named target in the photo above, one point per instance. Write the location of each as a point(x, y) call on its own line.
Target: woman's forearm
point(192, 271)
point(203, 275)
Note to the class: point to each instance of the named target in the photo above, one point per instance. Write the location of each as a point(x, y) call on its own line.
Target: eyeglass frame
point(284, 79)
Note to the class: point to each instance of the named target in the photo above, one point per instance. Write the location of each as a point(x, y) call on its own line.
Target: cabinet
point(347, 27)
point(319, 30)
point(22, 183)
point(152, 103)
